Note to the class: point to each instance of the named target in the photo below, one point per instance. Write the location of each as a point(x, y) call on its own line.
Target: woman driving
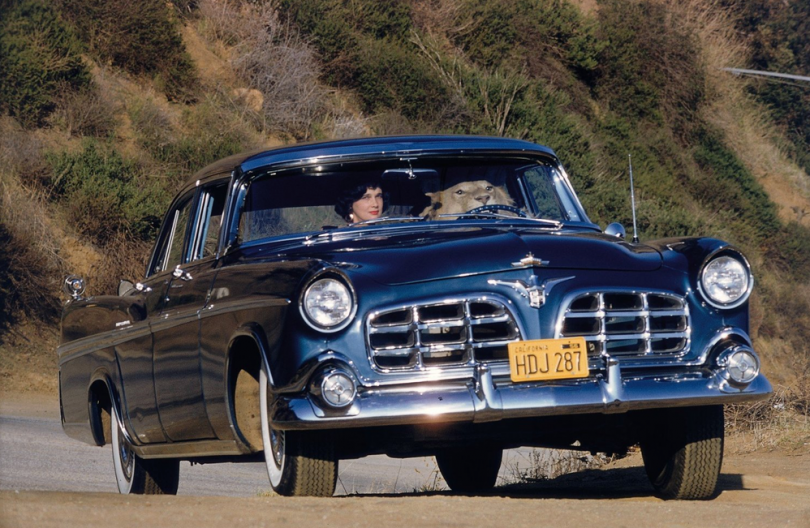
point(359, 203)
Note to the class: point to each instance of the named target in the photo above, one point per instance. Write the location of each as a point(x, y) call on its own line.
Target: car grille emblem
point(529, 261)
point(533, 291)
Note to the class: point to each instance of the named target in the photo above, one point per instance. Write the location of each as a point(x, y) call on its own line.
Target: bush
point(649, 66)
point(734, 188)
point(84, 113)
point(204, 133)
point(272, 58)
point(139, 36)
point(511, 34)
point(389, 76)
point(104, 194)
point(40, 57)
point(29, 267)
point(365, 47)
point(779, 34)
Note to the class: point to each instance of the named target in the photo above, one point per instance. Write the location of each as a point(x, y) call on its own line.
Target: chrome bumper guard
point(485, 399)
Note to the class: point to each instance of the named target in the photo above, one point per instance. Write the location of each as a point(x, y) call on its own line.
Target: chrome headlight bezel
point(336, 284)
point(707, 277)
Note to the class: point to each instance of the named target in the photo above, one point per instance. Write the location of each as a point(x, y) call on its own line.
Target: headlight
point(327, 305)
point(726, 281)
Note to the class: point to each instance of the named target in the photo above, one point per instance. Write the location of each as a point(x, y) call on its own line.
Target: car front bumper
point(485, 399)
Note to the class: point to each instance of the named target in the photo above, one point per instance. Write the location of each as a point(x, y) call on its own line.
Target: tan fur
point(465, 196)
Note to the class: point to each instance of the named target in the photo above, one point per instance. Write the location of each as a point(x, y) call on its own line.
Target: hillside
point(105, 106)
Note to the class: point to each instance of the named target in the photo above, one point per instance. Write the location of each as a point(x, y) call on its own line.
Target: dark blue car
point(409, 296)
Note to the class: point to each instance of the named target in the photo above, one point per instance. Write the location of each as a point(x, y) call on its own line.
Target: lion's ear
point(431, 195)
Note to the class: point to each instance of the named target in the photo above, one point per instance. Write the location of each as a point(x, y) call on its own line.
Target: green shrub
point(104, 194)
point(779, 33)
point(208, 132)
point(734, 188)
point(513, 33)
point(391, 76)
point(793, 256)
point(365, 47)
point(142, 37)
point(39, 57)
point(492, 37)
point(649, 64)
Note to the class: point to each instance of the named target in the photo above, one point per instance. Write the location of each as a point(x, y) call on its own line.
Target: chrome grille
point(454, 332)
point(634, 324)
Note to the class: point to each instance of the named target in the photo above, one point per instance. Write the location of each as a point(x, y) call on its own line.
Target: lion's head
point(464, 197)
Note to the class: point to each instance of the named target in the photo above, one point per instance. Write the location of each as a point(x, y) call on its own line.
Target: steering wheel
point(494, 208)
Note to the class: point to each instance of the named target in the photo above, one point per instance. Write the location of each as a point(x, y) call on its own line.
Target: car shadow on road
point(616, 483)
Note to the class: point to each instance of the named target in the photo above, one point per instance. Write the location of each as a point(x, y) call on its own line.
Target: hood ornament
point(533, 291)
point(529, 261)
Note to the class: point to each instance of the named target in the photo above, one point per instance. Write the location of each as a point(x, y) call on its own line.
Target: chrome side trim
point(88, 345)
point(224, 307)
point(190, 449)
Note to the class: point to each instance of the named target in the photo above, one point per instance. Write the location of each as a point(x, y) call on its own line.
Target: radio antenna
point(632, 199)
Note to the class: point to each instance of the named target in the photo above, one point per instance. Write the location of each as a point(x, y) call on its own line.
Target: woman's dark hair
point(343, 207)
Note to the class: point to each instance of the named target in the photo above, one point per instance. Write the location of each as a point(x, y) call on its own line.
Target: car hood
point(411, 256)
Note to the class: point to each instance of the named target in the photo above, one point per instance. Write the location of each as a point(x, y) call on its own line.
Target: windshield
point(404, 190)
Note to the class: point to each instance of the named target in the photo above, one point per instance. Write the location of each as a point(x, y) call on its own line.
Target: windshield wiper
point(390, 219)
point(552, 223)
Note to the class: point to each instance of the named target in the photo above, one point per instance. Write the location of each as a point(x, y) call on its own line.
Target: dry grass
point(271, 57)
point(32, 248)
point(85, 113)
point(548, 464)
point(749, 131)
point(782, 422)
point(28, 361)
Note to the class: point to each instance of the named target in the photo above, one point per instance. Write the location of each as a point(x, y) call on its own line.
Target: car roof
point(363, 147)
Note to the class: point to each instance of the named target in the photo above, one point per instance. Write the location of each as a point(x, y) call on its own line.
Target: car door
point(136, 354)
point(177, 367)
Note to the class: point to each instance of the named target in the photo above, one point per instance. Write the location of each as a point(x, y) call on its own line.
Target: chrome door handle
point(182, 275)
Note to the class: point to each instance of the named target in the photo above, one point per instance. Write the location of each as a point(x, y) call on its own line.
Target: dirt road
point(759, 489)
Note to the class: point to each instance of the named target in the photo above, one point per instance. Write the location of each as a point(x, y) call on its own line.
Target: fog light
point(740, 363)
point(338, 389)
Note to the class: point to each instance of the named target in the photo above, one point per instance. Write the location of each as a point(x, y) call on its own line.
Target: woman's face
point(369, 206)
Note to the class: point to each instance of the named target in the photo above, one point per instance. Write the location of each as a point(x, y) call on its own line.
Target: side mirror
point(74, 286)
point(616, 229)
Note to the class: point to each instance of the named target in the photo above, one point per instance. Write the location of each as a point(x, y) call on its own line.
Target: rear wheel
point(139, 476)
point(470, 469)
point(683, 451)
point(298, 463)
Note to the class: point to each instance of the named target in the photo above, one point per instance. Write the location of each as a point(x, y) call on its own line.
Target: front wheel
point(682, 450)
point(139, 476)
point(298, 464)
point(471, 469)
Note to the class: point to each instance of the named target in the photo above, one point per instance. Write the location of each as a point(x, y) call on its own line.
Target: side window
point(545, 195)
point(212, 204)
point(174, 232)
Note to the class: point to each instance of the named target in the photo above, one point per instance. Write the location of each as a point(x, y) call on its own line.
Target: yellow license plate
point(548, 359)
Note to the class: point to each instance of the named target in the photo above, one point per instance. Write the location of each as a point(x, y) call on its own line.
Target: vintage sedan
point(437, 296)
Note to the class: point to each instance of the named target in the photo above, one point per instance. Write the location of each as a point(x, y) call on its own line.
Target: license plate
point(548, 359)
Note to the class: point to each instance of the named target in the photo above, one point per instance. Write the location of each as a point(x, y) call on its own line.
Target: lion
point(464, 197)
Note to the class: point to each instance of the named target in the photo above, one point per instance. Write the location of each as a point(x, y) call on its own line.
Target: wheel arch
point(246, 356)
point(102, 400)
